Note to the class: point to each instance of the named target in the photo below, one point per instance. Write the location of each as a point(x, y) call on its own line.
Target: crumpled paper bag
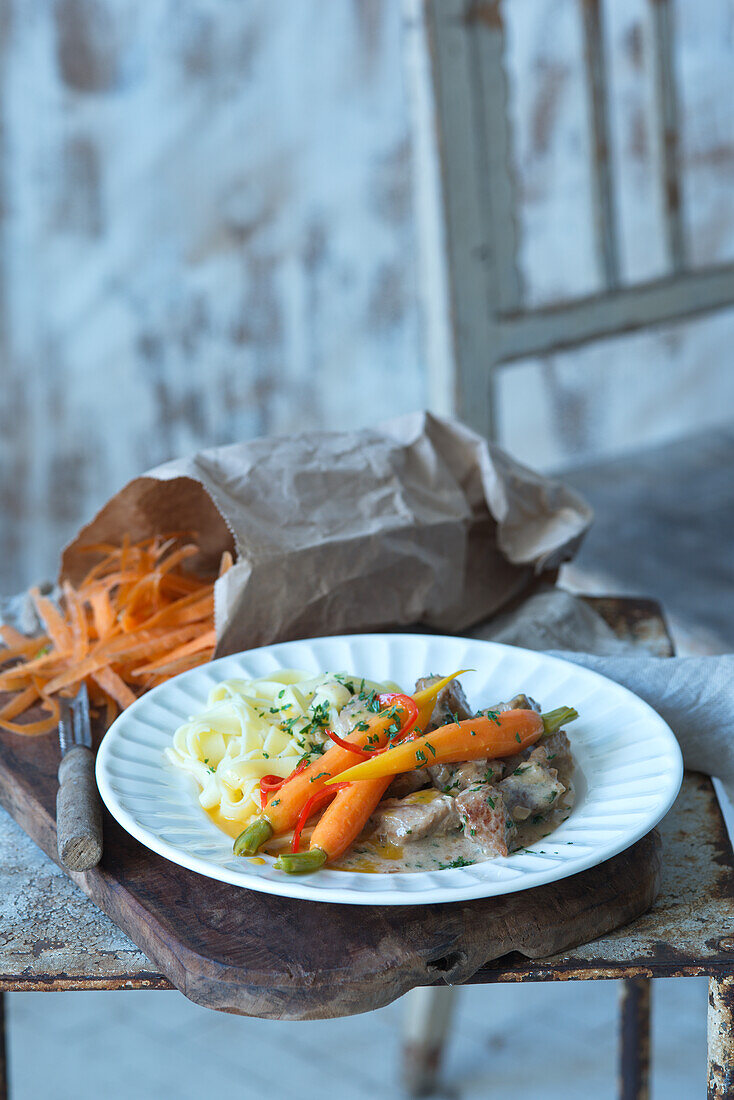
point(417, 522)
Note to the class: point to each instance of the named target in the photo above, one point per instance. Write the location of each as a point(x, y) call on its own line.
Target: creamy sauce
point(431, 854)
point(440, 852)
point(422, 798)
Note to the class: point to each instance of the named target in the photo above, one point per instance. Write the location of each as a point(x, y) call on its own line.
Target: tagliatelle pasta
point(266, 726)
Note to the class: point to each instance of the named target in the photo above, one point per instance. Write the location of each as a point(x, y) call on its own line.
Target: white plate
point(629, 767)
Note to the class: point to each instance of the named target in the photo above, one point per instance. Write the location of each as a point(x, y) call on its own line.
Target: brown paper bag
point(419, 521)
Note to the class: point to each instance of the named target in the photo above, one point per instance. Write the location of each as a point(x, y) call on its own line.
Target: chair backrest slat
point(605, 223)
point(666, 131)
point(496, 174)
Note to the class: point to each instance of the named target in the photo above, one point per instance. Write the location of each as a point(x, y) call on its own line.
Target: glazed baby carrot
point(281, 812)
point(488, 735)
point(338, 828)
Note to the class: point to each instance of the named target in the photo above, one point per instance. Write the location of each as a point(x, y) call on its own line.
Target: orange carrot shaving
point(165, 672)
point(58, 630)
point(203, 641)
point(18, 705)
point(17, 645)
point(45, 725)
point(78, 617)
point(136, 619)
point(115, 687)
point(103, 616)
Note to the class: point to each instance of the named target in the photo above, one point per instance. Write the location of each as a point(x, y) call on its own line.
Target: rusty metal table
point(53, 938)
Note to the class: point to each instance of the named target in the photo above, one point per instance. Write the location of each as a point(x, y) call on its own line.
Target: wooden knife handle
point(78, 811)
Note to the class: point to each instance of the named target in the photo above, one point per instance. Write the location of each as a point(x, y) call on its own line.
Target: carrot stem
point(253, 837)
point(299, 863)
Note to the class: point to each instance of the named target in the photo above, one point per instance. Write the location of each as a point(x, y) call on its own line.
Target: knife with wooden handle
point(78, 808)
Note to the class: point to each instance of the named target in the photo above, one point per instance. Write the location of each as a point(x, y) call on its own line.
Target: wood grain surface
point(254, 954)
point(78, 811)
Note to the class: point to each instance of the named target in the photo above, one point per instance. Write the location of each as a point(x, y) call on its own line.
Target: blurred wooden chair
point(469, 259)
point(477, 319)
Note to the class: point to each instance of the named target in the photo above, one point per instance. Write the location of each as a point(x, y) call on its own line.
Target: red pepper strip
point(407, 703)
point(388, 699)
point(314, 803)
point(346, 744)
point(271, 789)
point(269, 784)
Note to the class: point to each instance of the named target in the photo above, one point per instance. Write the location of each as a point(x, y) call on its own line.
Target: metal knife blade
point(66, 726)
point(75, 727)
point(80, 713)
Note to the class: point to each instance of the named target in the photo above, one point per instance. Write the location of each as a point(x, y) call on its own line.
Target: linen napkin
point(694, 695)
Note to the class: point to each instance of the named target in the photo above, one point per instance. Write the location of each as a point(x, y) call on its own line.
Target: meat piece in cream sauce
point(452, 815)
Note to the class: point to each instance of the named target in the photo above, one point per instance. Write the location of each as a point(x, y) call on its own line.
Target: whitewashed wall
point(208, 233)
point(206, 236)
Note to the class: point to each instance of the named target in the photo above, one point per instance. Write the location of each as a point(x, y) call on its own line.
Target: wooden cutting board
point(241, 951)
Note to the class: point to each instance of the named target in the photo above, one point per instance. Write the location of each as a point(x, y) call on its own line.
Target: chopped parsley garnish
point(518, 738)
point(420, 757)
point(490, 801)
point(493, 716)
point(370, 700)
point(430, 746)
point(459, 862)
point(281, 693)
point(320, 715)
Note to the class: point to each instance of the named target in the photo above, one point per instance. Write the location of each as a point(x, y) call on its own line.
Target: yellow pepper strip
point(488, 735)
